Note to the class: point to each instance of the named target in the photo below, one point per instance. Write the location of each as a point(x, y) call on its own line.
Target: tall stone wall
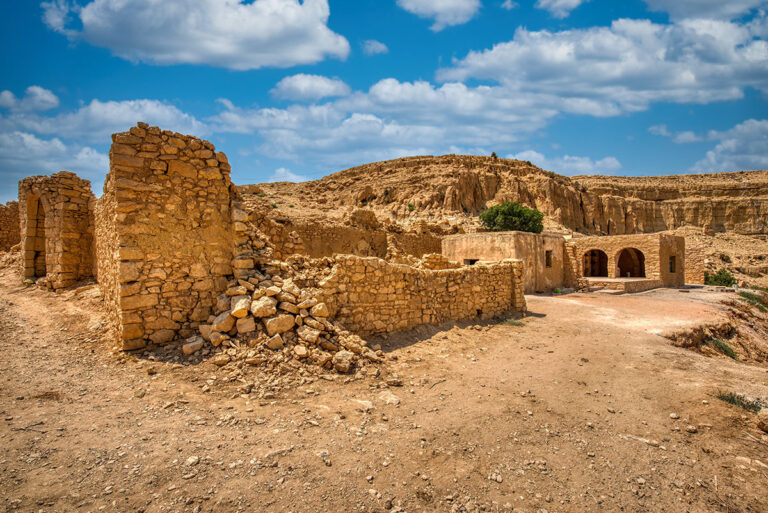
point(370, 295)
point(170, 240)
point(9, 225)
point(56, 227)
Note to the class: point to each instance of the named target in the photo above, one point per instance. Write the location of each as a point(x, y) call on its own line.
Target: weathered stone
point(319, 310)
point(275, 342)
point(240, 306)
point(264, 307)
point(279, 324)
point(308, 334)
point(223, 322)
point(246, 325)
point(342, 361)
point(192, 345)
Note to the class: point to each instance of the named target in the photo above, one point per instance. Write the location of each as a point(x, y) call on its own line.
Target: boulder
point(264, 307)
point(279, 324)
point(246, 325)
point(240, 306)
point(192, 345)
point(762, 419)
point(342, 361)
point(319, 310)
point(275, 342)
point(223, 322)
point(308, 334)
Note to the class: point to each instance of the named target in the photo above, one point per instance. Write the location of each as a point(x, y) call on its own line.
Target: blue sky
point(297, 90)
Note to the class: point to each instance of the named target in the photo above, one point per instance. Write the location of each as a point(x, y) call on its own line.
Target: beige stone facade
point(56, 227)
point(657, 256)
point(543, 255)
point(9, 225)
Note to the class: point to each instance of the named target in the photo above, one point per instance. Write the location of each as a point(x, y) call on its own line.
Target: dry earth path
point(567, 412)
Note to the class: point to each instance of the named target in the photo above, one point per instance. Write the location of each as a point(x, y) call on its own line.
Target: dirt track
point(551, 415)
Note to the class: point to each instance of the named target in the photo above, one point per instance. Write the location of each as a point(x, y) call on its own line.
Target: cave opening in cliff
point(595, 263)
point(630, 263)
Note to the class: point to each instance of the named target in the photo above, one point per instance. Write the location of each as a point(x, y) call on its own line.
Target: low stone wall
point(371, 296)
point(9, 225)
point(56, 227)
point(166, 231)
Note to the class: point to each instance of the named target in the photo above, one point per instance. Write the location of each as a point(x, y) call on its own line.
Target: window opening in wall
point(673, 264)
point(548, 259)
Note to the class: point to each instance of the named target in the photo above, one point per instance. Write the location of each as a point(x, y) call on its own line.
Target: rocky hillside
point(451, 190)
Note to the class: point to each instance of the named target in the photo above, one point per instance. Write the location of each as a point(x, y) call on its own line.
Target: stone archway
point(35, 265)
point(630, 263)
point(595, 263)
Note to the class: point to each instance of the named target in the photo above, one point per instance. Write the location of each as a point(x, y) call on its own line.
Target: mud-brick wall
point(9, 225)
point(370, 295)
point(56, 227)
point(168, 199)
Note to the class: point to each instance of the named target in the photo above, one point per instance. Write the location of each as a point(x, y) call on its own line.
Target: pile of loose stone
point(269, 321)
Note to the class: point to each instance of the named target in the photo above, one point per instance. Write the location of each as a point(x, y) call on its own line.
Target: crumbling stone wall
point(657, 249)
point(370, 295)
point(170, 240)
point(56, 227)
point(9, 225)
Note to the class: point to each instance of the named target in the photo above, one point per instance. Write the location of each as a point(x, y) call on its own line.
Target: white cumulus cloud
point(445, 13)
point(559, 8)
point(234, 34)
point(309, 87)
point(284, 175)
point(35, 98)
point(716, 9)
point(742, 148)
point(568, 164)
point(97, 120)
point(627, 66)
point(373, 47)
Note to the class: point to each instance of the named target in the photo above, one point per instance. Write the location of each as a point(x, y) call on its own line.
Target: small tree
point(511, 216)
point(722, 278)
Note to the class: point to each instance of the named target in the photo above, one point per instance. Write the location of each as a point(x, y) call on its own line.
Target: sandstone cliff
point(453, 189)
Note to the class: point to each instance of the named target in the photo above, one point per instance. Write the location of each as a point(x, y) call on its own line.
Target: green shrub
point(722, 346)
point(721, 277)
point(511, 216)
point(756, 300)
point(739, 400)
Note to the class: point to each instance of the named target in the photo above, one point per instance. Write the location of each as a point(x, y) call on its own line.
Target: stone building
point(624, 262)
point(543, 255)
point(56, 227)
point(9, 225)
point(170, 239)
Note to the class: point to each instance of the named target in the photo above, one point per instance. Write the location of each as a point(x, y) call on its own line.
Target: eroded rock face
point(414, 188)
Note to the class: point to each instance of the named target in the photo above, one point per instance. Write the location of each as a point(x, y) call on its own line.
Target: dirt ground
point(570, 410)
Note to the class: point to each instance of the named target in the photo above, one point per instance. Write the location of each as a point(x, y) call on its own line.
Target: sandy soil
point(567, 412)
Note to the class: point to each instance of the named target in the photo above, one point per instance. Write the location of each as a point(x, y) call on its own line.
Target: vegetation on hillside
point(510, 216)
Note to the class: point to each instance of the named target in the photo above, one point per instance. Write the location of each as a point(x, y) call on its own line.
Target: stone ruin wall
point(372, 296)
point(167, 200)
point(56, 226)
point(9, 225)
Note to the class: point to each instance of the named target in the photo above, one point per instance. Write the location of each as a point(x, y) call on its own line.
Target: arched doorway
point(630, 263)
point(34, 247)
point(595, 263)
